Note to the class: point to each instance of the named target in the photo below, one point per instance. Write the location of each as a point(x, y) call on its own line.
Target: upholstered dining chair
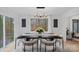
point(59, 42)
point(21, 38)
point(29, 43)
point(49, 43)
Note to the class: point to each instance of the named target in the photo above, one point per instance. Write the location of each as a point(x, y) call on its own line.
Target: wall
point(63, 22)
point(19, 30)
point(6, 12)
point(61, 30)
point(28, 24)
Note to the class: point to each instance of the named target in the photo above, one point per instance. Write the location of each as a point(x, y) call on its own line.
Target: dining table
point(39, 37)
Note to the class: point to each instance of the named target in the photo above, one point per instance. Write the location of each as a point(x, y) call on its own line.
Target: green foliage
point(39, 30)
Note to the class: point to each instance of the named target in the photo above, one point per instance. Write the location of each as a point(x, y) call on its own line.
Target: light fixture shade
point(40, 7)
point(40, 12)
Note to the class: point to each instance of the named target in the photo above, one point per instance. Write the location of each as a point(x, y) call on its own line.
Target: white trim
point(14, 29)
point(3, 31)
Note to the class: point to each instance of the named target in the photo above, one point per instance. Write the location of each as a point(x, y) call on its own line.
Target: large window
point(9, 30)
point(39, 22)
point(1, 31)
point(76, 25)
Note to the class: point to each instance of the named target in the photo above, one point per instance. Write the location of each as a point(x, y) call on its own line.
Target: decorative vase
point(40, 35)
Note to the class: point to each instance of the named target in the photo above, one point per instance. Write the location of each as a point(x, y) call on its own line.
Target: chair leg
point(32, 48)
point(24, 48)
point(40, 45)
point(37, 45)
point(53, 49)
point(45, 47)
point(55, 46)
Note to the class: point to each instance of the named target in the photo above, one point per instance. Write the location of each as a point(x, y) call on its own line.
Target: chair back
point(31, 42)
point(48, 42)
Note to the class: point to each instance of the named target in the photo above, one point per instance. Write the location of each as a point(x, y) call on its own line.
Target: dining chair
point(29, 43)
point(59, 42)
point(21, 38)
point(49, 43)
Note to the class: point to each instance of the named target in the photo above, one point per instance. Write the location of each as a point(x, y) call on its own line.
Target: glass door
point(9, 30)
point(1, 31)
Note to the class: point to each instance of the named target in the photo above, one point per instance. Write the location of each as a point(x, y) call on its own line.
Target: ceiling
point(48, 10)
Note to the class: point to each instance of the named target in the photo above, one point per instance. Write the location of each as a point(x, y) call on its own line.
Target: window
point(23, 22)
point(1, 31)
point(56, 23)
point(9, 30)
point(76, 25)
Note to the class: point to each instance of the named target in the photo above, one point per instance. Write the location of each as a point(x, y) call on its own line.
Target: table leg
point(55, 45)
point(39, 44)
point(15, 43)
point(45, 47)
point(62, 44)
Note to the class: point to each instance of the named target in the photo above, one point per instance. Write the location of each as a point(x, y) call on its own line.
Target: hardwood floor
point(71, 46)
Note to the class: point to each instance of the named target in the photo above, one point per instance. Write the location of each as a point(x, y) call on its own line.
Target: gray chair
point(59, 42)
point(49, 43)
point(29, 43)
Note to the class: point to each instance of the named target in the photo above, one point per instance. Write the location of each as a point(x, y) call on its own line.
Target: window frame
point(77, 21)
point(55, 23)
point(23, 22)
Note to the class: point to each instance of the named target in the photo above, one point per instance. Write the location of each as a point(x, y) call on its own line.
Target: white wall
point(63, 22)
point(61, 30)
point(28, 24)
point(19, 30)
point(6, 12)
point(67, 23)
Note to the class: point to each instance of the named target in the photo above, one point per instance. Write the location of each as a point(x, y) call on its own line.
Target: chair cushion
point(48, 42)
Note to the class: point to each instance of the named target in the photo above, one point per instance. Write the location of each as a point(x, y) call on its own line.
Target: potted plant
point(39, 30)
